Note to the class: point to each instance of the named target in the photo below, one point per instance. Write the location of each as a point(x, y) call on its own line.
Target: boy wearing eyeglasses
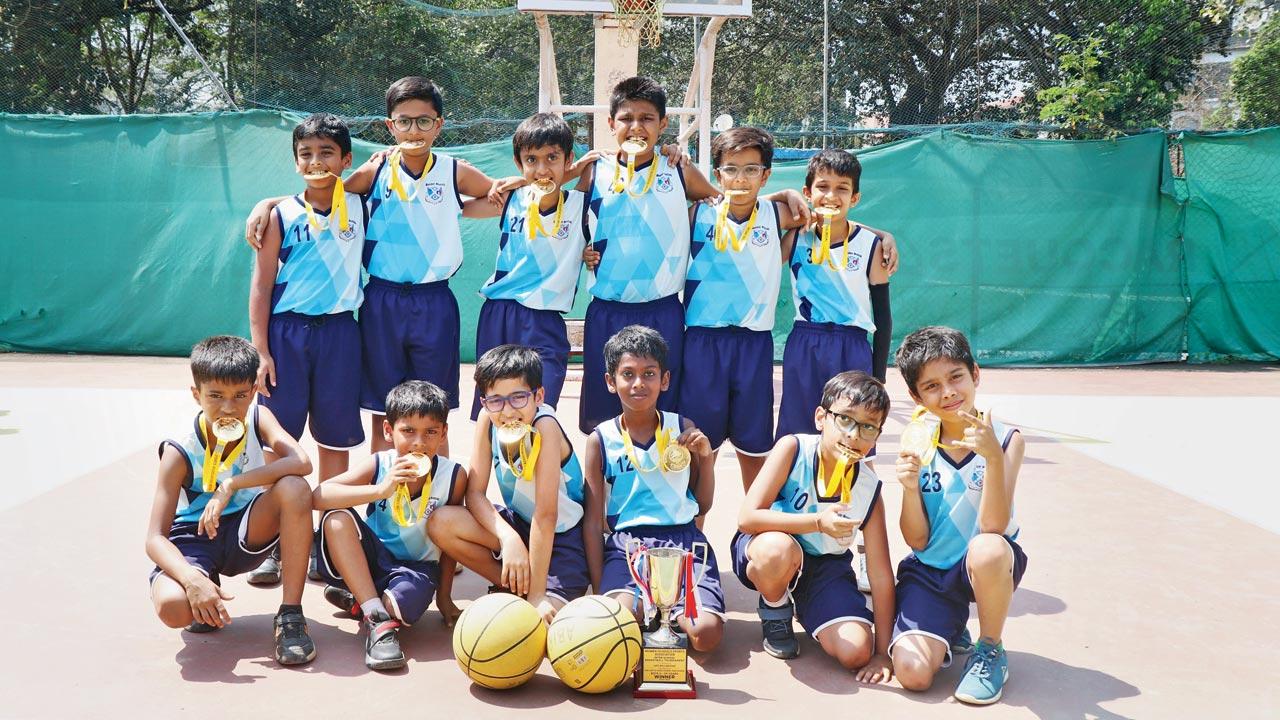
point(797, 522)
point(533, 544)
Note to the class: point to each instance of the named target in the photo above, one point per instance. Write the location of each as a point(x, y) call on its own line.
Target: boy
point(534, 545)
point(409, 321)
point(220, 506)
point(641, 493)
point(535, 276)
point(796, 525)
point(841, 292)
point(385, 568)
point(957, 515)
point(735, 270)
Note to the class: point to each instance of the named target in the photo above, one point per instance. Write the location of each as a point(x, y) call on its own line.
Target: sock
point(780, 602)
point(369, 607)
point(286, 608)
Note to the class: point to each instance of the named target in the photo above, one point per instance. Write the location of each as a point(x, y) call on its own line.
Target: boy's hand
point(798, 206)
point(257, 223)
point(266, 373)
point(208, 524)
point(879, 669)
point(403, 472)
point(206, 603)
point(590, 257)
point(695, 441)
point(585, 160)
point(909, 470)
point(515, 567)
point(448, 611)
point(501, 186)
point(890, 249)
point(545, 608)
point(675, 155)
point(980, 437)
point(832, 523)
point(382, 154)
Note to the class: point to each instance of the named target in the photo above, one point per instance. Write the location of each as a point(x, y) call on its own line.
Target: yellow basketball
point(594, 644)
point(499, 641)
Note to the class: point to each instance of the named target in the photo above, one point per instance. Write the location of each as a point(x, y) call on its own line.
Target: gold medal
point(412, 145)
point(422, 463)
point(511, 441)
point(402, 511)
point(671, 456)
point(633, 147)
point(214, 464)
point(676, 458)
point(821, 253)
point(543, 187)
point(228, 429)
point(922, 438)
point(534, 222)
point(338, 205)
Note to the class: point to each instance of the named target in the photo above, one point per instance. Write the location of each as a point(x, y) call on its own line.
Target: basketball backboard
point(681, 8)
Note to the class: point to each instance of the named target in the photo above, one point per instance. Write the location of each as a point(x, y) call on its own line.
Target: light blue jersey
point(416, 240)
point(952, 493)
point(824, 295)
point(643, 241)
point(637, 497)
point(193, 498)
point(734, 288)
point(519, 494)
point(318, 272)
point(409, 543)
point(802, 494)
point(541, 273)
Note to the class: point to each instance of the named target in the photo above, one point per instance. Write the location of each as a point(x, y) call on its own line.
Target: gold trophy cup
point(664, 657)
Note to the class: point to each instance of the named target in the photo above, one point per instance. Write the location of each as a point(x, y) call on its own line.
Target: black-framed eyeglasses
point(517, 400)
point(845, 424)
point(424, 123)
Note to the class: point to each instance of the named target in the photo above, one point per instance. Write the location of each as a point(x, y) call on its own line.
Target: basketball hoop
point(639, 21)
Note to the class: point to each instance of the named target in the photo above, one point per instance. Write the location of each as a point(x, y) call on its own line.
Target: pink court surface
point(1152, 589)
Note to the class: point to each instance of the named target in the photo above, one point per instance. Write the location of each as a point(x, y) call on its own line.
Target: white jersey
point(318, 271)
point(802, 493)
point(418, 239)
point(541, 273)
point(193, 498)
point(734, 288)
point(842, 295)
point(409, 543)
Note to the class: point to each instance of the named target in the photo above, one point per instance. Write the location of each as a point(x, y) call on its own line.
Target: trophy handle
point(640, 553)
point(706, 559)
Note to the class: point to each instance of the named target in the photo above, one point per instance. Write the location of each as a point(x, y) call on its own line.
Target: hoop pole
point(548, 77)
point(707, 53)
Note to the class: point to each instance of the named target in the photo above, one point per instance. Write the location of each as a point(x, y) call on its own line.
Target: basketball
point(594, 644)
point(499, 641)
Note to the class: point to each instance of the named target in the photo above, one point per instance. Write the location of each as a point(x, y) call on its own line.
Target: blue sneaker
point(984, 675)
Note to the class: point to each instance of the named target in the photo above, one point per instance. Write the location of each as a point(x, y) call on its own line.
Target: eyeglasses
point(424, 123)
point(750, 172)
point(517, 401)
point(846, 424)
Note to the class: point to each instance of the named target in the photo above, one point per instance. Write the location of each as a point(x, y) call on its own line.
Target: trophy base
point(672, 690)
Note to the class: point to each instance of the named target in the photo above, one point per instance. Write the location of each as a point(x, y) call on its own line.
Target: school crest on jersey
point(349, 234)
point(563, 232)
point(760, 236)
point(855, 261)
point(434, 193)
point(663, 183)
point(974, 481)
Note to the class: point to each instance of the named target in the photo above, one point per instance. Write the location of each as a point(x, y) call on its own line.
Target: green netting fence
point(124, 235)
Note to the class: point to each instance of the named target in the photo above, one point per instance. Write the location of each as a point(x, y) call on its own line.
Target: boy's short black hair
point(927, 344)
point(860, 389)
point(743, 138)
point(542, 130)
point(839, 162)
point(417, 398)
point(638, 88)
point(414, 87)
point(225, 358)
point(509, 361)
point(323, 125)
point(640, 341)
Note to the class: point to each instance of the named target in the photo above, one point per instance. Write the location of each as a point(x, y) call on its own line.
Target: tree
point(1255, 79)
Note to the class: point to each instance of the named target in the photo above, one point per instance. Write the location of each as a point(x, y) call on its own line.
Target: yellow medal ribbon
point(725, 236)
point(397, 184)
point(841, 480)
point(338, 209)
point(213, 464)
point(820, 254)
point(662, 438)
point(529, 456)
point(535, 217)
point(618, 186)
point(402, 503)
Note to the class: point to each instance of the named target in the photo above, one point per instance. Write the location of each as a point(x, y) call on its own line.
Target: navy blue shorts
point(317, 361)
point(825, 591)
point(616, 577)
point(410, 584)
point(815, 353)
point(410, 332)
point(606, 317)
point(505, 322)
point(729, 390)
point(567, 575)
point(935, 602)
point(227, 554)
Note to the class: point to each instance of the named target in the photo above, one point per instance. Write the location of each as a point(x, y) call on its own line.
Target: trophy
point(664, 657)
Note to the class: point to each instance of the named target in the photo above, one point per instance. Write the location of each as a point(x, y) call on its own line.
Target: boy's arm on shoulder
point(360, 181)
point(888, 255)
point(588, 175)
point(696, 185)
point(472, 182)
point(255, 226)
point(480, 208)
point(169, 479)
point(786, 219)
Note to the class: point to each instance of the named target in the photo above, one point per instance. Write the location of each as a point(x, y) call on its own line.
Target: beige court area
point(1148, 505)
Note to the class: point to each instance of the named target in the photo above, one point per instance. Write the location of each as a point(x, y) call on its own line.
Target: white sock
point(780, 602)
point(369, 607)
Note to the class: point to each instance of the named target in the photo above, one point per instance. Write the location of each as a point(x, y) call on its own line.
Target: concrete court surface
point(1152, 589)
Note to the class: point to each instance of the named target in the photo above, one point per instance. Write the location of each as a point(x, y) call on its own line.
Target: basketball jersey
point(733, 288)
point(802, 494)
point(409, 543)
point(824, 295)
point(637, 497)
point(952, 493)
point(541, 273)
point(643, 241)
point(416, 240)
point(193, 498)
point(519, 494)
point(318, 272)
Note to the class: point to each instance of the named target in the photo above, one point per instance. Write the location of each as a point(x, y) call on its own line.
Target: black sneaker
point(779, 637)
point(198, 627)
point(268, 573)
point(293, 645)
point(343, 600)
point(313, 572)
point(381, 646)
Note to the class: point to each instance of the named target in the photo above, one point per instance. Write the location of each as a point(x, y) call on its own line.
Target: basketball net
point(639, 21)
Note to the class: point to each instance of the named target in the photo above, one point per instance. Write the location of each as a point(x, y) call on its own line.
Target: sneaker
point(313, 572)
point(268, 573)
point(293, 645)
point(343, 600)
point(381, 646)
point(864, 581)
point(779, 637)
point(962, 644)
point(200, 628)
point(984, 675)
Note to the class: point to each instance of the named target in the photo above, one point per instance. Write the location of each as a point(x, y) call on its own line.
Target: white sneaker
point(864, 583)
